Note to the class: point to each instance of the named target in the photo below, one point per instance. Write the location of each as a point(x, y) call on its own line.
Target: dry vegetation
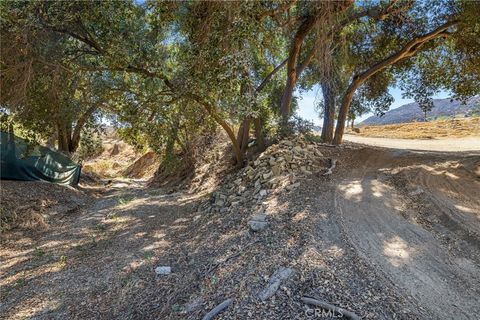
point(423, 130)
point(120, 159)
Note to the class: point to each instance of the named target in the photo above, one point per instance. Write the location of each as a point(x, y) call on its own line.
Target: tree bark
point(293, 68)
point(329, 98)
point(293, 55)
point(257, 122)
point(63, 138)
point(343, 112)
point(243, 135)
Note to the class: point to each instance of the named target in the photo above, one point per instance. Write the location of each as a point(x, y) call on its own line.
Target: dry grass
point(125, 162)
point(424, 130)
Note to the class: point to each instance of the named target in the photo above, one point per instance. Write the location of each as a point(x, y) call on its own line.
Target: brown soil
point(364, 239)
point(449, 128)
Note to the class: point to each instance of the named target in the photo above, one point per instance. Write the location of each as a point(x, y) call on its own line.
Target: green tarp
point(21, 160)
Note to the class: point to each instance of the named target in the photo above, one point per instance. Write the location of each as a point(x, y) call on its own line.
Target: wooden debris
point(276, 279)
point(215, 311)
point(327, 306)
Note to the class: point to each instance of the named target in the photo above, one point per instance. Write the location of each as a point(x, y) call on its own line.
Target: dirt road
point(441, 145)
point(416, 219)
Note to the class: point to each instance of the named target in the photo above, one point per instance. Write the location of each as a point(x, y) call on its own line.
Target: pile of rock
point(275, 170)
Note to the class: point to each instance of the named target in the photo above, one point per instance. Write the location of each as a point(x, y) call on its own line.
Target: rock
point(281, 274)
point(297, 149)
point(318, 153)
point(219, 203)
point(257, 225)
point(263, 193)
point(293, 186)
point(305, 171)
point(241, 189)
point(267, 175)
point(276, 170)
point(163, 270)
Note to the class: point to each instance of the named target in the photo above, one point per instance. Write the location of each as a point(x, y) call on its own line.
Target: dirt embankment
point(33, 205)
point(120, 159)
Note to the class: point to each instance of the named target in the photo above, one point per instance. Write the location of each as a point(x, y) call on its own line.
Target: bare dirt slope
point(392, 234)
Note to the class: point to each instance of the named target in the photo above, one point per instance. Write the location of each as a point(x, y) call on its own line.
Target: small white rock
point(163, 270)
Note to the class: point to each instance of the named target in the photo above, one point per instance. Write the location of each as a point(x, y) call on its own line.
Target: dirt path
point(96, 263)
point(441, 145)
point(392, 234)
point(416, 220)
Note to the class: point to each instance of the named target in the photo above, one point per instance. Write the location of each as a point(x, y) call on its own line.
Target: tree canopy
point(167, 73)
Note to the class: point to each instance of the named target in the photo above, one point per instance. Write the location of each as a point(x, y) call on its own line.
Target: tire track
point(372, 214)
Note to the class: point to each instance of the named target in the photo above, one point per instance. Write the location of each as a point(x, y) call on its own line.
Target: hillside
point(411, 112)
point(446, 128)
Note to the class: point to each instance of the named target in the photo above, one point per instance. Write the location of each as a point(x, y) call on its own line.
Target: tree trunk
point(352, 123)
point(63, 138)
point(295, 48)
point(294, 69)
point(343, 112)
point(257, 122)
point(287, 97)
point(81, 122)
point(329, 98)
point(243, 135)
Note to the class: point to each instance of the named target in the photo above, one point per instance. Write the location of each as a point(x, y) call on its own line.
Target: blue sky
point(306, 103)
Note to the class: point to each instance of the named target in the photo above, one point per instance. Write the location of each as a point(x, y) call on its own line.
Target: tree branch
point(408, 50)
point(280, 9)
point(270, 75)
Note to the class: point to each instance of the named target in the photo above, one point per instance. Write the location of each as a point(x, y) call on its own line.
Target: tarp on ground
point(22, 160)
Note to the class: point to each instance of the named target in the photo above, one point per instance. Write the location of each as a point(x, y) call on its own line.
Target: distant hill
point(411, 112)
